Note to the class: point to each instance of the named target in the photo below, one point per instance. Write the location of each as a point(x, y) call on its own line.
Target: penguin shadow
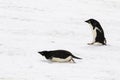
point(99, 45)
point(52, 62)
point(1, 44)
point(46, 61)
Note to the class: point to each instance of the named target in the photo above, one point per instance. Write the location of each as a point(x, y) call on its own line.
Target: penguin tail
point(76, 57)
point(105, 42)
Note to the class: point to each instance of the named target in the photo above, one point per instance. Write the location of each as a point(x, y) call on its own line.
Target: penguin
point(59, 56)
point(98, 33)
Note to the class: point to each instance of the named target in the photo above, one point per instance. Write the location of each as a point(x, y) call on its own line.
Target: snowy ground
point(29, 26)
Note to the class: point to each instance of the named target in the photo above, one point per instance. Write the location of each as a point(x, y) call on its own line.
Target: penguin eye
point(89, 21)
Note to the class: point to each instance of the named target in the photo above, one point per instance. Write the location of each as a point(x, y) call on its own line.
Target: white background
point(29, 26)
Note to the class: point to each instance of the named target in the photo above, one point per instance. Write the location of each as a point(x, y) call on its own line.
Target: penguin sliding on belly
point(59, 56)
point(98, 33)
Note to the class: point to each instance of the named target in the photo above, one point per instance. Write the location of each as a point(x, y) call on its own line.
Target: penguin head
point(43, 53)
point(90, 21)
point(87, 21)
point(93, 22)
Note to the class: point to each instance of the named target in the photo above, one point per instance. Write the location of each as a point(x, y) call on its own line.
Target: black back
point(56, 53)
point(100, 38)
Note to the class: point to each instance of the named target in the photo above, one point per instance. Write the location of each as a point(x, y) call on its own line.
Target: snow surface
point(29, 26)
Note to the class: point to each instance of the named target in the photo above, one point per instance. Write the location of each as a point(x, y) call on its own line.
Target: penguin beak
point(87, 21)
point(40, 53)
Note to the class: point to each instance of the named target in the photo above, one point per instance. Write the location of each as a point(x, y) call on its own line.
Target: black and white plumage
point(59, 55)
point(98, 33)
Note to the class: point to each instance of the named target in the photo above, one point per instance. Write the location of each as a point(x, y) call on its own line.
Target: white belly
point(93, 32)
point(61, 60)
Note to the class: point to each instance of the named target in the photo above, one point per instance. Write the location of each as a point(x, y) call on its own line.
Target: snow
point(29, 26)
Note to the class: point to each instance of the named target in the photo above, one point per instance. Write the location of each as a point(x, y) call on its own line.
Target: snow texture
point(29, 26)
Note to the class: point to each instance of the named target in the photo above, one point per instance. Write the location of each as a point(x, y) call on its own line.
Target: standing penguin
point(98, 33)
